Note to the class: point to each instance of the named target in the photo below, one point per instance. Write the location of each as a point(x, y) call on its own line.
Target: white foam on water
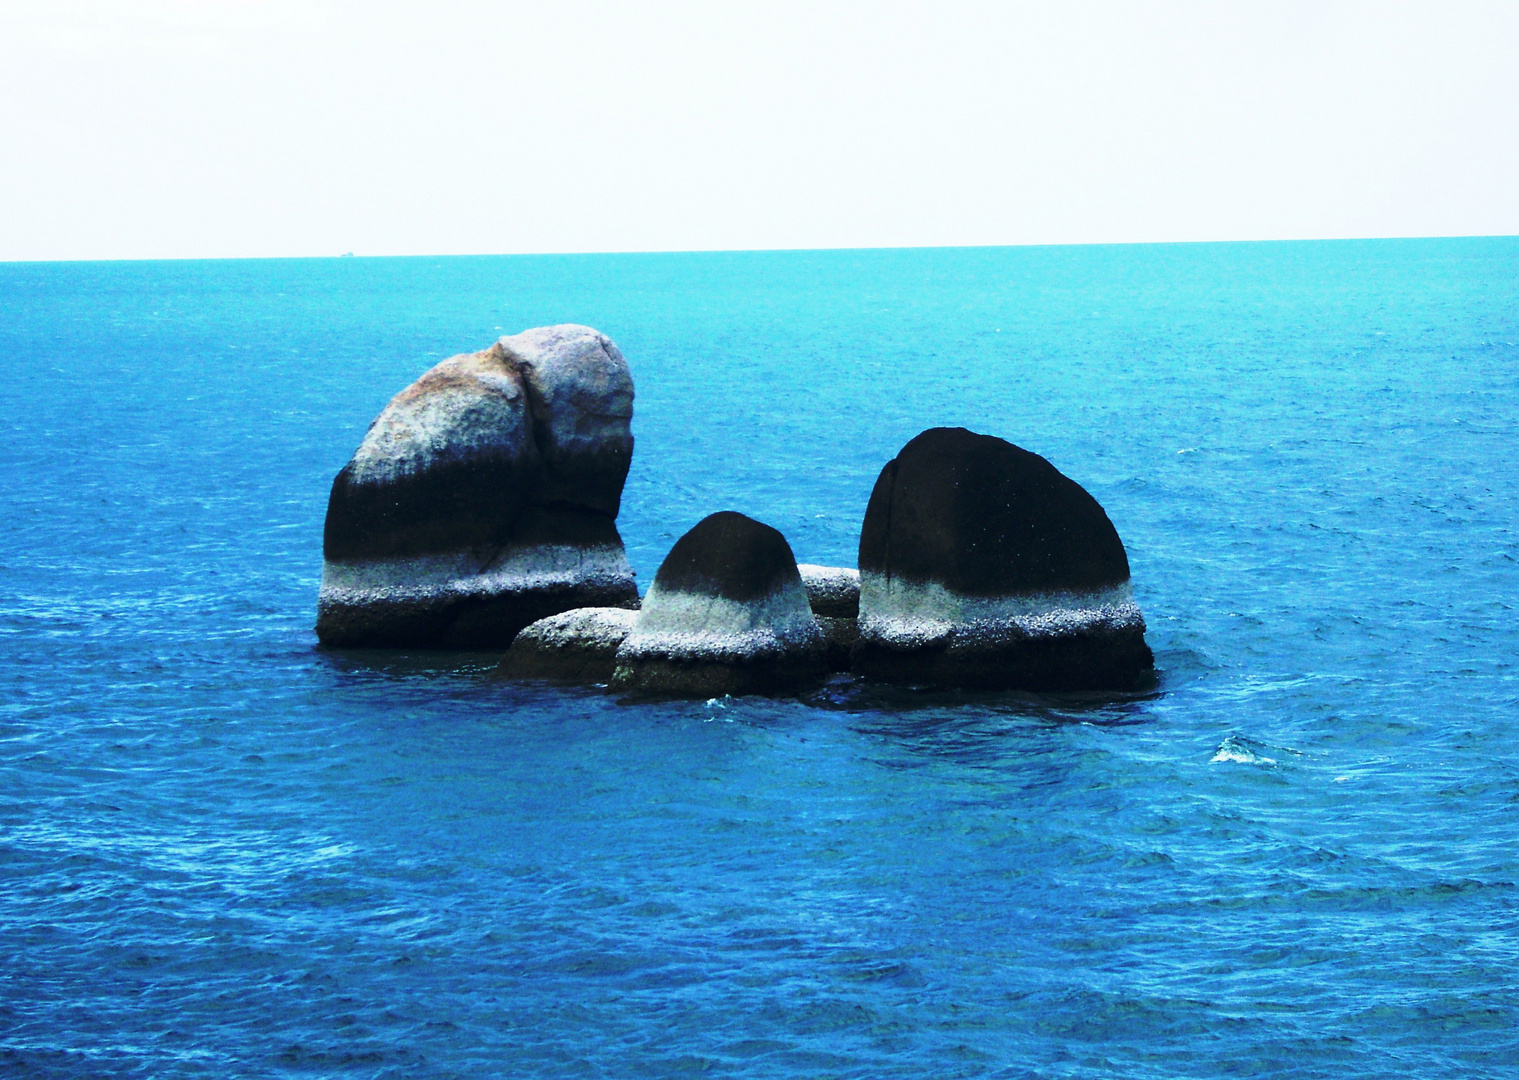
point(1240, 756)
point(1241, 750)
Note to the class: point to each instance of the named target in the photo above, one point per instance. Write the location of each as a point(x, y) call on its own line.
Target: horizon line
point(758, 250)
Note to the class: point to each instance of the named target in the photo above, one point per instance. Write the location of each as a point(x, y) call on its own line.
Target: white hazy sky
point(184, 128)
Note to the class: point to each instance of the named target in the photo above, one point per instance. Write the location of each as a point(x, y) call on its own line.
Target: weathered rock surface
point(834, 594)
point(981, 565)
point(833, 591)
point(483, 498)
point(577, 646)
point(726, 614)
point(839, 636)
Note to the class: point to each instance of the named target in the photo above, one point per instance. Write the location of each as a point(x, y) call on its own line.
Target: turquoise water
point(226, 852)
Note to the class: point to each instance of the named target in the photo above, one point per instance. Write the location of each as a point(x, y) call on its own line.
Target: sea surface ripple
point(227, 852)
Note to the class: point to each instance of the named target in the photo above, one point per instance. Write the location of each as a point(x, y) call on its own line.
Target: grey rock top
point(581, 395)
point(577, 372)
point(495, 474)
point(594, 628)
point(463, 408)
point(570, 382)
point(542, 417)
point(833, 591)
point(578, 646)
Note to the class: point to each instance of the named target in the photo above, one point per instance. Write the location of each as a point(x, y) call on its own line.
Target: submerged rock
point(483, 498)
point(834, 595)
point(726, 614)
point(981, 565)
point(577, 646)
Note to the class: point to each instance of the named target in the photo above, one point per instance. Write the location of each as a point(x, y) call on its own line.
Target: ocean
point(226, 852)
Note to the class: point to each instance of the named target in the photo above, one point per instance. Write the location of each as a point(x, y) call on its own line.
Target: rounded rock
point(578, 646)
point(581, 396)
point(834, 595)
point(483, 498)
point(726, 614)
point(833, 591)
point(982, 565)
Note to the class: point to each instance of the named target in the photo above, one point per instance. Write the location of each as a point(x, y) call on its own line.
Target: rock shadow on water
point(407, 664)
point(1177, 664)
point(972, 728)
point(858, 694)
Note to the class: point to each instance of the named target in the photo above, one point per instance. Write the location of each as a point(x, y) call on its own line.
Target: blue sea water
point(227, 852)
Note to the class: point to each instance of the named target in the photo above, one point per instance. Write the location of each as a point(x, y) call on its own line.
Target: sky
point(238, 128)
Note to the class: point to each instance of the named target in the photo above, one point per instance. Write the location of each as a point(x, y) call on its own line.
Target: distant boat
point(346, 255)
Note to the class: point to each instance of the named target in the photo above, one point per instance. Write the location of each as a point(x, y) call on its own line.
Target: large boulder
point(726, 614)
point(577, 646)
point(483, 498)
point(981, 565)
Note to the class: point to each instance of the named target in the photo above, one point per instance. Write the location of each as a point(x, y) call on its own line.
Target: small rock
point(834, 594)
point(577, 646)
point(831, 590)
point(726, 614)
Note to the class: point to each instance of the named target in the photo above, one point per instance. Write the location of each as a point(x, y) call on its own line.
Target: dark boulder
point(982, 565)
point(483, 498)
point(726, 614)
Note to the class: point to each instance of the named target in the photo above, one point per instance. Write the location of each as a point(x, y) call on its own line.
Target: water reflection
point(407, 663)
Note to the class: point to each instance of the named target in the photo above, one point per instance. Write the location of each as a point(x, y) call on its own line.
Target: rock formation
point(483, 498)
point(832, 591)
point(726, 614)
point(577, 646)
point(981, 565)
point(834, 594)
